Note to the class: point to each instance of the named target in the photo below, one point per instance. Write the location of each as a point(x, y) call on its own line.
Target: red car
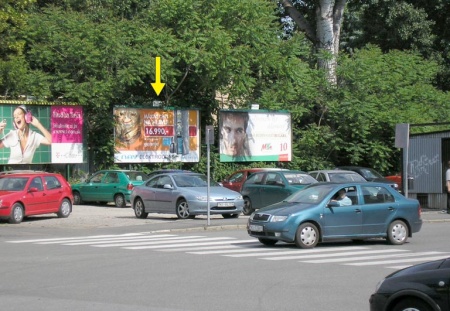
point(34, 193)
point(237, 179)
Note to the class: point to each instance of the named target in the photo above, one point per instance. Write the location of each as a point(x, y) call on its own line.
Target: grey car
point(184, 194)
point(336, 176)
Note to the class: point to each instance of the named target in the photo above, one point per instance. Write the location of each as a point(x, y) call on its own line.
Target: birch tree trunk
point(326, 33)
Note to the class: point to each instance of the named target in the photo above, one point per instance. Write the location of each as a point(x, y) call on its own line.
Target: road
point(109, 260)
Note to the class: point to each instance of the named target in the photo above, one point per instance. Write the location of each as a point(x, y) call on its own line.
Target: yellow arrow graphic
point(158, 86)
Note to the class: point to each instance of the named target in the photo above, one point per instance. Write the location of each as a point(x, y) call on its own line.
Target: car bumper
point(270, 230)
point(201, 208)
point(377, 302)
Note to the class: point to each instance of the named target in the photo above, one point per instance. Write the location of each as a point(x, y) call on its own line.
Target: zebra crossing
point(359, 256)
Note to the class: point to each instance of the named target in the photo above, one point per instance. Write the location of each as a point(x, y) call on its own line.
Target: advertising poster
point(156, 135)
point(255, 136)
point(40, 134)
point(67, 134)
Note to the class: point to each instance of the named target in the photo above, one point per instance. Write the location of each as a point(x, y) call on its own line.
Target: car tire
point(182, 209)
point(77, 198)
point(64, 209)
point(17, 214)
point(412, 304)
point(248, 209)
point(139, 209)
point(397, 233)
point(307, 235)
point(230, 216)
point(267, 242)
point(119, 200)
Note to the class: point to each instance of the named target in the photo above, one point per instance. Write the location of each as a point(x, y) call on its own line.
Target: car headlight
point(239, 197)
point(278, 218)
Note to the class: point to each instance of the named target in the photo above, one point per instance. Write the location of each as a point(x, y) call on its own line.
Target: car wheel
point(182, 209)
point(307, 236)
point(17, 214)
point(412, 304)
point(139, 209)
point(119, 200)
point(77, 198)
point(247, 210)
point(230, 215)
point(64, 209)
point(397, 233)
point(267, 242)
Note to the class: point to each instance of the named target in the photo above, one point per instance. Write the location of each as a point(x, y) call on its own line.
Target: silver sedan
point(184, 194)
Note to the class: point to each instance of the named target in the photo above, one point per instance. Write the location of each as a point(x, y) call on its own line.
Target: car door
point(108, 186)
point(252, 189)
point(53, 192)
point(234, 182)
point(90, 190)
point(343, 221)
point(273, 189)
point(36, 198)
point(378, 209)
point(164, 198)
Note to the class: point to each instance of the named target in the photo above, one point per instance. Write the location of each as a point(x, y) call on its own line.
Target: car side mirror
point(167, 186)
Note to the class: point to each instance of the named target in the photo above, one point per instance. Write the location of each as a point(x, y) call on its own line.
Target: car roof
point(21, 172)
point(333, 171)
point(348, 184)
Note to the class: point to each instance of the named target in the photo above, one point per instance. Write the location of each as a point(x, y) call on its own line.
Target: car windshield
point(369, 173)
point(345, 177)
point(299, 179)
point(184, 180)
point(310, 195)
point(13, 183)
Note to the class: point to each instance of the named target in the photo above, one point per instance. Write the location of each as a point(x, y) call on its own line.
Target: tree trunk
point(329, 17)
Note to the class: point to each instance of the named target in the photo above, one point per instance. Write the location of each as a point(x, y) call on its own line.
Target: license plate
point(225, 204)
point(256, 228)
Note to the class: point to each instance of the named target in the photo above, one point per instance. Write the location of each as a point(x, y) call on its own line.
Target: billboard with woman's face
point(255, 136)
point(41, 134)
point(156, 135)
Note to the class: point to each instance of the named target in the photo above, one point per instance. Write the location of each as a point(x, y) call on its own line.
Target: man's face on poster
point(127, 125)
point(233, 135)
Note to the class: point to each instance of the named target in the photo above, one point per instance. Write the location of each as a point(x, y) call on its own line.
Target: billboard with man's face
point(156, 135)
point(41, 134)
point(255, 136)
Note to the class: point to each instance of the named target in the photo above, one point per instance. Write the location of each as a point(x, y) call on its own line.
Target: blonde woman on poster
point(22, 140)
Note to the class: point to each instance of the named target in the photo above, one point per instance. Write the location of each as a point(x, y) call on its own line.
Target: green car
point(265, 188)
point(108, 186)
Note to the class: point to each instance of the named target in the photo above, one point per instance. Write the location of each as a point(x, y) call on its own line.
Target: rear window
point(13, 183)
point(136, 176)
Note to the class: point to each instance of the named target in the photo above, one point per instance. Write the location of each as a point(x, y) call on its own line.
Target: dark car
point(268, 187)
point(370, 174)
point(237, 178)
point(422, 287)
point(314, 215)
point(108, 186)
point(34, 193)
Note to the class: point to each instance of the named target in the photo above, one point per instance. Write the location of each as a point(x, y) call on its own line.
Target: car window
point(52, 182)
point(97, 178)
point(136, 176)
point(374, 195)
point(321, 177)
point(112, 177)
point(345, 177)
point(37, 183)
point(310, 195)
point(164, 180)
point(152, 183)
point(255, 178)
point(273, 179)
point(13, 184)
point(298, 179)
point(236, 177)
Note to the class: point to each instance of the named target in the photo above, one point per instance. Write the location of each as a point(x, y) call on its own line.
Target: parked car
point(336, 176)
point(185, 194)
point(370, 174)
point(108, 186)
point(34, 193)
point(397, 178)
point(422, 287)
point(166, 170)
point(268, 187)
point(237, 179)
point(310, 216)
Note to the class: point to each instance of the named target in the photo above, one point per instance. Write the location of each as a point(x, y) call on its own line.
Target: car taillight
point(130, 187)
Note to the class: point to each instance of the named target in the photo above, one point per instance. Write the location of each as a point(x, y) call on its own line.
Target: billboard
point(255, 136)
point(40, 134)
point(144, 135)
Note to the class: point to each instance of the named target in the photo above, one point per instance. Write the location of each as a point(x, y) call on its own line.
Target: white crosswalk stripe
point(358, 256)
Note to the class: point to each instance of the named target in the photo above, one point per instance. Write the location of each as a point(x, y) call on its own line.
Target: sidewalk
point(433, 215)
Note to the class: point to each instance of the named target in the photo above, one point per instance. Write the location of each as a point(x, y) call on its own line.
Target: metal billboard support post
point(209, 141)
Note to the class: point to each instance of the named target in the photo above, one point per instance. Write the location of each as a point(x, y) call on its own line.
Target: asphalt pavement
point(108, 216)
